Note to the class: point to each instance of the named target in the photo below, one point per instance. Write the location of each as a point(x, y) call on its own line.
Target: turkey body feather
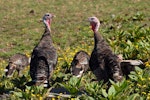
point(80, 63)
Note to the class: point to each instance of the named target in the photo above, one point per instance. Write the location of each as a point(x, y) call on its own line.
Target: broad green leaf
point(133, 72)
point(111, 91)
point(138, 69)
point(28, 87)
point(133, 77)
point(133, 97)
point(129, 42)
point(104, 93)
point(19, 94)
point(112, 82)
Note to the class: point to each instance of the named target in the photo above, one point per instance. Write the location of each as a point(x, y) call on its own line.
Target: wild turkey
point(129, 65)
point(80, 63)
point(44, 56)
point(16, 62)
point(103, 62)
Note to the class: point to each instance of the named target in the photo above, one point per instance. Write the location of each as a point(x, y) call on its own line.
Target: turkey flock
point(102, 62)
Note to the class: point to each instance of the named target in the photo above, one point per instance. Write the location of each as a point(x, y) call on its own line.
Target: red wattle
point(49, 22)
point(93, 26)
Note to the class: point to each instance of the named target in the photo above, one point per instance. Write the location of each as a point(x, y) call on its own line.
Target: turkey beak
point(53, 16)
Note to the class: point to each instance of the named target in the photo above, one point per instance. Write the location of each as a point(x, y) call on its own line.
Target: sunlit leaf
point(104, 93)
point(111, 91)
point(133, 77)
point(134, 97)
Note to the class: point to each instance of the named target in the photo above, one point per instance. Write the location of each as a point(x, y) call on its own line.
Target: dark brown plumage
point(44, 56)
point(80, 63)
point(103, 62)
point(16, 62)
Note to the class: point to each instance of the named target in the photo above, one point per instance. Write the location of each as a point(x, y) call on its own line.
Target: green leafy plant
point(140, 85)
point(94, 90)
point(34, 92)
point(73, 85)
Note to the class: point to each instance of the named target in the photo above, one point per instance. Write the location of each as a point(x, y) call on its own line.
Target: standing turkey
point(16, 62)
point(103, 63)
point(80, 63)
point(44, 56)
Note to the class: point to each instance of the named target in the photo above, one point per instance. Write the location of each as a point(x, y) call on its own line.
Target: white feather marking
point(116, 74)
point(80, 73)
point(134, 62)
point(45, 81)
point(19, 62)
point(45, 85)
point(29, 60)
point(5, 70)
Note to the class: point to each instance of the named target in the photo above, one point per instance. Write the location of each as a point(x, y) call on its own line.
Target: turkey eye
point(92, 18)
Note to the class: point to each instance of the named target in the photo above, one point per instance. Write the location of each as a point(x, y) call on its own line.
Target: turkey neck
point(46, 40)
point(97, 37)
